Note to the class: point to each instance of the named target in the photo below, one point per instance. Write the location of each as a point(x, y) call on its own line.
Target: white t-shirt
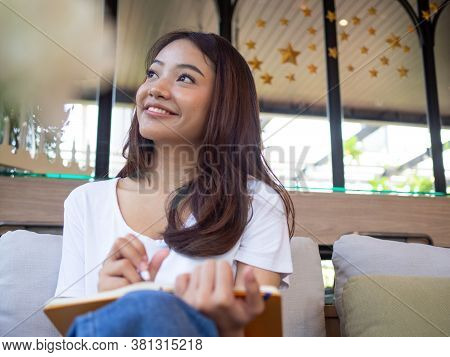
point(93, 221)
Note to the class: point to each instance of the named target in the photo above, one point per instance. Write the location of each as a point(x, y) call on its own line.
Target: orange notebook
point(63, 311)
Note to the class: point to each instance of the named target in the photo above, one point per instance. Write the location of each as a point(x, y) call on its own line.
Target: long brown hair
point(231, 152)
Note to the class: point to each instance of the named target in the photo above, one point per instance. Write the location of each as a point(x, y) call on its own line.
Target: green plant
point(350, 148)
point(380, 183)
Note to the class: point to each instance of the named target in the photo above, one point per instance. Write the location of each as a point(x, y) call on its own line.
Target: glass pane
point(442, 54)
point(45, 68)
point(144, 22)
point(283, 44)
point(385, 137)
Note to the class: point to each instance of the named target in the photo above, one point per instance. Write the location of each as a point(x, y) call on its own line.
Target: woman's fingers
point(253, 299)
point(192, 289)
point(125, 247)
point(155, 263)
point(206, 282)
point(112, 282)
point(122, 268)
point(181, 284)
point(223, 291)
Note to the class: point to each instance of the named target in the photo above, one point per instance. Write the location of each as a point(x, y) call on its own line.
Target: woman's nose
point(158, 91)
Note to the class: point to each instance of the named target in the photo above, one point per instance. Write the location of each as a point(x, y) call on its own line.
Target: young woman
point(195, 205)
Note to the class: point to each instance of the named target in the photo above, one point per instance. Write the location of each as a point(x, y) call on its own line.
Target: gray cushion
point(360, 255)
point(29, 267)
point(303, 302)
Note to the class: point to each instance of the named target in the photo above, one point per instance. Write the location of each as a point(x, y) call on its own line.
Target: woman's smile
point(159, 113)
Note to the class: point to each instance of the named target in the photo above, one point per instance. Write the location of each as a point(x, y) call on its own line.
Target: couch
point(29, 268)
point(382, 288)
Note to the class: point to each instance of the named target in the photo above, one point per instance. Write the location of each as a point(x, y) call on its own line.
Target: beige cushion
point(396, 306)
point(303, 302)
point(360, 255)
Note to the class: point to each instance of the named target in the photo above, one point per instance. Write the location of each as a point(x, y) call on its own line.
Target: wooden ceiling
point(141, 22)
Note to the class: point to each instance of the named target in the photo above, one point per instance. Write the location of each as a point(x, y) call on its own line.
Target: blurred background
point(54, 55)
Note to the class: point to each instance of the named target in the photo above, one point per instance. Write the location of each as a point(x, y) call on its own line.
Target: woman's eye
point(186, 78)
point(150, 73)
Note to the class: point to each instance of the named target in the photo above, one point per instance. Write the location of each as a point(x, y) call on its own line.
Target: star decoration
point(332, 52)
point(344, 36)
point(364, 50)
point(290, 77)
point(356, 20)
point(312, 46)
point(306, 11)
point(394, 41)
point(372, 11)
point(410, 28)
point(406, 48)
point(312, 30)
point(289, 55)
point(260, 23)
point(255, 63)
point(402, 71)
point(373, 73)
point(312, 69)
point(284, 21)
point(384, 61)
point(250, 44)
point(426, 15)
point(433, 7)
point(331, 16)
point(371, 31)
point(350, 68)
point(267, 78)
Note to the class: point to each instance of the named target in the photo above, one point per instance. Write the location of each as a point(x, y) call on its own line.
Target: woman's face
point(173, 102)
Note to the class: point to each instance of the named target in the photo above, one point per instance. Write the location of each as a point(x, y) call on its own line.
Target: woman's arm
point(264, 277)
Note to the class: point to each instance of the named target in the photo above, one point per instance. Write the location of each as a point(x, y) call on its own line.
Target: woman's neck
point(171, 167)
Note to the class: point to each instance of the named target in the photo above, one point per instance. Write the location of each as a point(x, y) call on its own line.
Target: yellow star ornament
point(402, 71)
point(267, 78)
point(356, 20)
point(331, 16)
point(433, 7)
point(364, 50)
point(289, 55)
point(260, 23)
point(306, 11)
point(384, 61)
point(406, 48)
point(290, 77)
point(255, 63)
point(344, 36)
point(312, 46)
point(371, 31)
point(394, 41)
point(373, 73)
point(312, 69)
point(332, 52)
point(250, 45)
point(284, 21)
point(350, 68)
point(312, 30)
point(372, 11)
point(426, 15)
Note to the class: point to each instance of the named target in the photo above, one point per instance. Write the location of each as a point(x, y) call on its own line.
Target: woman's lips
point(158, 113)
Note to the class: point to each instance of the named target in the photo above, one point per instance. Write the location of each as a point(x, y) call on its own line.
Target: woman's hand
point(125, 260)
point(209, 289)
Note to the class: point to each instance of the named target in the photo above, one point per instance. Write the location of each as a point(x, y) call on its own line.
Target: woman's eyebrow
point(182, 65)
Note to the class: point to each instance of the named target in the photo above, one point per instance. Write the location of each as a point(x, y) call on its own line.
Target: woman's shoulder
point(263, 194)
point(92, 190)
